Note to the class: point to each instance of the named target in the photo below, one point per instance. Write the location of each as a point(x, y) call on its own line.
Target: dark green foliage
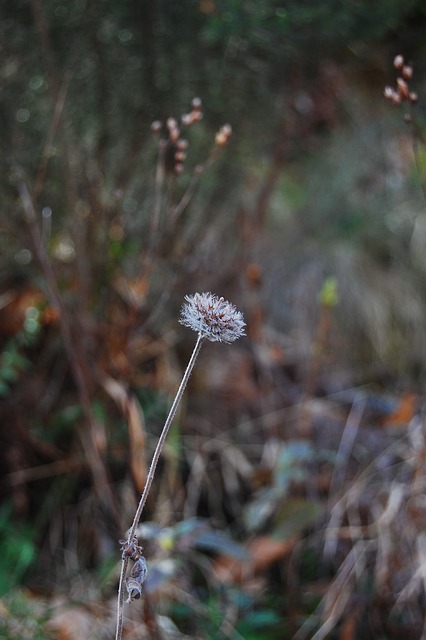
point(22, 618)
point(18, 551)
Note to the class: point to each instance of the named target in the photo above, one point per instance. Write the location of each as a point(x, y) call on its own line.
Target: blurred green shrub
point(18, 550)
point(22, 617)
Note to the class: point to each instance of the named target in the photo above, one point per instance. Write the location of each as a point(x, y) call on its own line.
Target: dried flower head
point(402, 93)
point(212, 317)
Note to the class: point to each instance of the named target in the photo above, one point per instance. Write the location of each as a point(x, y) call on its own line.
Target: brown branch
point(88, 435)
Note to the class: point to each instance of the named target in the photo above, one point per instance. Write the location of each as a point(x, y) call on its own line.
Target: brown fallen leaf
point(263, 551)
point(405, 410)
point(72, 623)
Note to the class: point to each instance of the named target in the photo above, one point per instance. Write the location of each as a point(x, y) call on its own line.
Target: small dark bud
point(254, 275)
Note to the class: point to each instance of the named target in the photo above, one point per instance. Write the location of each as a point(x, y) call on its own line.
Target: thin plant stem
point(150, 478)
point(159, 182)
point(195, 178)
point(88, 436)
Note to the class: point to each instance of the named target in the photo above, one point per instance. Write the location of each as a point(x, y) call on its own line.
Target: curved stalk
point(150, 478)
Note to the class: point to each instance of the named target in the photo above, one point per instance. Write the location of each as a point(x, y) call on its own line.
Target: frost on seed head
point(212, 317)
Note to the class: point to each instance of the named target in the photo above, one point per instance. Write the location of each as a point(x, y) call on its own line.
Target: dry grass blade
point(335, 602)
point(133, 413)
point(136, 426)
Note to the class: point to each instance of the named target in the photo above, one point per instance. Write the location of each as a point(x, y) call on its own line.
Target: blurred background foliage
point(270, 518)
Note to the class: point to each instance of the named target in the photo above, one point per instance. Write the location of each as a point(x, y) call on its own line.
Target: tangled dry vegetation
point(285, 506)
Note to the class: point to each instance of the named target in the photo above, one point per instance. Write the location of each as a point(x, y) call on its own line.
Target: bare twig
point(198, 171)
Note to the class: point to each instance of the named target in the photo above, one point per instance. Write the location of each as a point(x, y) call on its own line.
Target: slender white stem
point(150, 478)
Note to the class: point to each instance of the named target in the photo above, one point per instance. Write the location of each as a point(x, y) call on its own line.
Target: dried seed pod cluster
point(195, 115)
point(176, 151)
point(402, 92)
point(136, 579)
point(133, 551)
point(174, 145)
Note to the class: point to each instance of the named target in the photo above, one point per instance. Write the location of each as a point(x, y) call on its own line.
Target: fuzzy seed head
point(212, 317)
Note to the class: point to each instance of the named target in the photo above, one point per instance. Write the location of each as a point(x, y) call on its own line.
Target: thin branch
point(88, 436)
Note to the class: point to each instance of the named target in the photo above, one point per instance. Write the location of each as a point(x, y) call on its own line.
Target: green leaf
point(293, 517)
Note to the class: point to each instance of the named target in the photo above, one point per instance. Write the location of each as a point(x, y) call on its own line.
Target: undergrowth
point(288, 500)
